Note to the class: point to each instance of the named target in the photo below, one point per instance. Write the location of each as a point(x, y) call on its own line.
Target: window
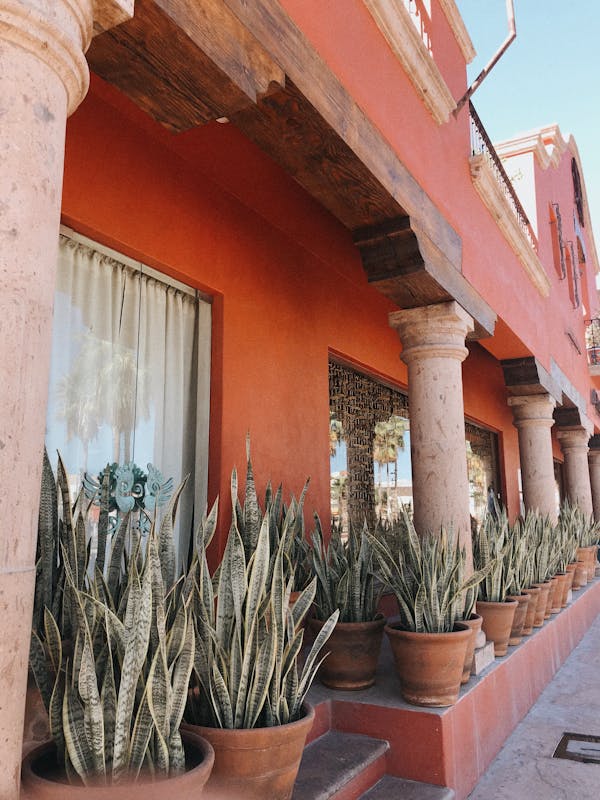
point(129, 375)
point(369, 440)
point(577, 192)
point(557, 241)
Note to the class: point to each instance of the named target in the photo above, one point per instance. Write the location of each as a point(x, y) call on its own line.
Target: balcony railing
point(481, 144)
point(592, 341)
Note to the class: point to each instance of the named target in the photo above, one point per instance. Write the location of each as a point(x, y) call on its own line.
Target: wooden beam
point(185, 63)
point(523, 376)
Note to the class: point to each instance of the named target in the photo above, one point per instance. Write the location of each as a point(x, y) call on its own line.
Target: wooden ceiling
point(186, 62)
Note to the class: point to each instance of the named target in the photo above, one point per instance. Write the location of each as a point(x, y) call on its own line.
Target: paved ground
point(525, 769)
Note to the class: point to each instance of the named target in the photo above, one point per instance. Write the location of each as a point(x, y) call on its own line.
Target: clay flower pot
point(589, 556)
point(354, 649)
point(430, 665)
point(256, 763)
point(43, 779)
point(565, 581)
point(540, 611)
point(516, 631)
point(580, 578)
point(555, 595)
point(474, 625)
point(497, 622)
point(532, 593)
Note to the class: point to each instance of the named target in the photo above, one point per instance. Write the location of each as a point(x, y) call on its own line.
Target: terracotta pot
point(497, 622)
point(354, 649)
point(516, 631)
point(474, 625)
point(580, 577)
point(589, 555)
point(533, 594)
point(555, 596)
point(540, 611)
point(429, 665)
point(565, 580)
point(256, 763)
point(43, 779)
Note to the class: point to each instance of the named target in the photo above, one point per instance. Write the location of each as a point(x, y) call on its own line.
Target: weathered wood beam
point(185, 63)
point(523, 376)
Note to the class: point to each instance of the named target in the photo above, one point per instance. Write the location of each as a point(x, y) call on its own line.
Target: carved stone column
point(433, 340)
point(43, 77)
point(532, 417)
point(594, 464)
point(574, 444)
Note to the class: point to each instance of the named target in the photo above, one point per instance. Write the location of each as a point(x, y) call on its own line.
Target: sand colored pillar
point(433, 341)
point(532, 417)
point(43, 77)
point(574, 444)
point(594, 465)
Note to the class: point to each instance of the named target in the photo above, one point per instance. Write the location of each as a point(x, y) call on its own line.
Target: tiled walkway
point(525, 769)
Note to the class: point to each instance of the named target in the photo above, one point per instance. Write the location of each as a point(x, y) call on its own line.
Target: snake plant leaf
point(108, 698)
point(81, 549)
point(232, 584)
point(53, 641)
point(220, 698)
point(250, 645)
point(143, 728)
point(76, 744)
point(258, 571)
point(55, 716)
point(309, 669)
point(207, 527)
point(251, 514)
point(181, 672)
point(265, 664)
point(39, 667)
point(116, 555)
point(92, 707)
point(47, 535)
point(166, 545)
point(138, 622)
point(158, 697)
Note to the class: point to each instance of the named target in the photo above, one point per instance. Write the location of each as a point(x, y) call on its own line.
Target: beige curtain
point(130, 372)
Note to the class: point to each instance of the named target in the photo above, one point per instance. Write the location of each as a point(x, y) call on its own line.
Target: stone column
point(433, 341)
point(574, 444)
point(532, 417)
point(594, 465)
point(43, 77)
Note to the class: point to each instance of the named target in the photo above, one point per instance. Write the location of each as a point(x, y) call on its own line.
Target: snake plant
point(427, 575)
point(248, 638)
point(344, 572)
point(115, 703)
point(491, 553)
point(570, 525)
point(540, 537)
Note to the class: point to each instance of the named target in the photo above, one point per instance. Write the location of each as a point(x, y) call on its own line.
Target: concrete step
point(390, 788)
point(340, 766)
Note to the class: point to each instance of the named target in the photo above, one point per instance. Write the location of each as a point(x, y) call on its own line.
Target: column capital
point(435, 331)
point(532, 410)
point(594, 456)
point(58, 32)
point(575, 438)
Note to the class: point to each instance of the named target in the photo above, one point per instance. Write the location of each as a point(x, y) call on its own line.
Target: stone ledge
point(454, 746)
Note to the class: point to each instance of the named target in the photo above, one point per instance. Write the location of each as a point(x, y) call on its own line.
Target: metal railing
point(592, 341)
point(481, 144)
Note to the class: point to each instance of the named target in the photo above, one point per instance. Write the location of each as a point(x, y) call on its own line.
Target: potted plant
point(567, 533)
point(426, 573)
point(522, 572)
point(115, 703)
point(345, 581)
point(247, 690)
point(541, 533)
point(490, 553)
point(588, 536)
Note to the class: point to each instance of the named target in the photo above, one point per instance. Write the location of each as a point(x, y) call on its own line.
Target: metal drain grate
point(579, 747)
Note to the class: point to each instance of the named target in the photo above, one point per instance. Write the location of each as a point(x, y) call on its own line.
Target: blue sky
point(550, 73)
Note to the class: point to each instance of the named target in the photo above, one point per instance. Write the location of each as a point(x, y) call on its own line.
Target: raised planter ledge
point(454, 746)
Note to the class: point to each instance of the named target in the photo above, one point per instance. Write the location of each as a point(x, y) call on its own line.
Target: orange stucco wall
point(287, 283)
point(438, 157)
